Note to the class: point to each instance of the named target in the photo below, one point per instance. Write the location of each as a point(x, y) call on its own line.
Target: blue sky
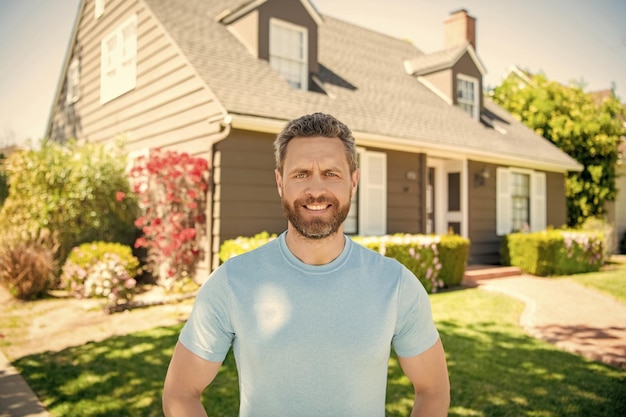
point(565, 39)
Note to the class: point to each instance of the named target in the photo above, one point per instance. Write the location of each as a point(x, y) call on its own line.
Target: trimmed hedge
point(553, 252)
point(437, 261)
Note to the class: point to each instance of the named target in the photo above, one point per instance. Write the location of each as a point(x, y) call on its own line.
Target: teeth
point(316, 207)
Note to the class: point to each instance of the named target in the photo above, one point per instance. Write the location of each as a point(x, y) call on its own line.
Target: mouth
point(317, 207)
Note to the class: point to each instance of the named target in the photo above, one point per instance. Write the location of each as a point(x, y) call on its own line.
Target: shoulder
point(246, 266)
point(270, 249)
point(375, 258)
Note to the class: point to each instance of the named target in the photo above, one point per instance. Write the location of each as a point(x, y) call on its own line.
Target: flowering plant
point(101, 270)
point(419, 253)
point(171, 187)
point(583, 248)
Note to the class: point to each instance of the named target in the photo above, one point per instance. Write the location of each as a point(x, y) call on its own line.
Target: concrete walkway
point(574, 318)
point(16, 397)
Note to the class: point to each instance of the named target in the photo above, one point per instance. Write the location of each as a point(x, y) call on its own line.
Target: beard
point(316, 227)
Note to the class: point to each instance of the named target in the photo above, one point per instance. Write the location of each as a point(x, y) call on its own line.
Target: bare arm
point(428, 373)
point(187, 376)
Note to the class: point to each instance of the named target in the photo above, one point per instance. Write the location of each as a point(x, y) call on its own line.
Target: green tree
point(585, 126)
point(80, 193)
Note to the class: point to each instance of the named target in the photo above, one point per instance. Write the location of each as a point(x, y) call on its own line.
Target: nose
point(316, 187)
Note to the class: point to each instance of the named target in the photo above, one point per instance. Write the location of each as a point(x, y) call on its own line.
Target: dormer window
point(467, 95)
point(118, 61)
point(289, 52)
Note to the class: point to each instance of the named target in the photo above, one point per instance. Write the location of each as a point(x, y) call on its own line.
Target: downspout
point(225, 122)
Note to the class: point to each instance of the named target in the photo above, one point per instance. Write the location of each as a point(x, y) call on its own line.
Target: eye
point(331, 174)
point(300, 175)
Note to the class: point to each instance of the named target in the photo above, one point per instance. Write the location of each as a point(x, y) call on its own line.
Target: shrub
point(554, 252)
point(234, 247)
point(437, 261)
point(69, 190)
point(101, 269)
point(28, 267)
point(172, 196)
point(453, 253)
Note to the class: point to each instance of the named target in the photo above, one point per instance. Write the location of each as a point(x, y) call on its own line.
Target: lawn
point(612, 282)
point(495, 370)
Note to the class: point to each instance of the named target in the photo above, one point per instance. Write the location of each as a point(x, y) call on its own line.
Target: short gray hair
point(311, 125)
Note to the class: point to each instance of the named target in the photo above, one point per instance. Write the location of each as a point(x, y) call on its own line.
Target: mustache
point(314, 200)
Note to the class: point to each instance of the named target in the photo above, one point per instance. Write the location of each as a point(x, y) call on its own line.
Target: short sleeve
point(208, 332)
point(415, 330)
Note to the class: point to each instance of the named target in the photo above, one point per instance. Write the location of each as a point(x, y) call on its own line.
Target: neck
point(315, 251)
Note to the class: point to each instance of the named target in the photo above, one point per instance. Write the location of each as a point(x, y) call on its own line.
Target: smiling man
point(311, 316)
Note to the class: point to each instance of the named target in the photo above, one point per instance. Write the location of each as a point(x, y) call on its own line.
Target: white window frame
point(462, 101)
point(73, 82)
point(118, 61)
point(504, 209)
point(283, 59)
point(98, 9)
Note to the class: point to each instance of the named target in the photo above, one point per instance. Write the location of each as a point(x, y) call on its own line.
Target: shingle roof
point(427, 63)
point(364, 75)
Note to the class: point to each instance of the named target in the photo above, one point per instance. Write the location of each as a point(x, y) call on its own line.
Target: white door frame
point(442, 216)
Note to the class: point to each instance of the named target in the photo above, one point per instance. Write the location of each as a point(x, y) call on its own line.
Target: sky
point(567, 40)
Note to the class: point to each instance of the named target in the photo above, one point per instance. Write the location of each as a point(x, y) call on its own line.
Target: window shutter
point(503, 202)
point(373, 194)
point(73, 82)
point(538, 201)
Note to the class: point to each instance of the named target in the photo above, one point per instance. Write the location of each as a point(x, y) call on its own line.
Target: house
point(221, 78)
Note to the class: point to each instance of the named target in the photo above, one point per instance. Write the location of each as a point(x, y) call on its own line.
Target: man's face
point(316, 186)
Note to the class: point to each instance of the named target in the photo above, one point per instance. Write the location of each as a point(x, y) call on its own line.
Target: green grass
point(610, 282)
point(495, 370)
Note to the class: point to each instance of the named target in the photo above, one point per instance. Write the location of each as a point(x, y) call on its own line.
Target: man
point(311, 316)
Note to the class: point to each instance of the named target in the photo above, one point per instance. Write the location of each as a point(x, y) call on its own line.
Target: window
point(73, 82)
point(118, 66)
point(368, 212)
point(98, 9)
point(467, 94)
point(521, 200)
point(288, 52)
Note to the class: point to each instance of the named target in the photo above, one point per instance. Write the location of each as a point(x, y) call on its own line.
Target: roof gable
point(227, 16)
point(437, 61)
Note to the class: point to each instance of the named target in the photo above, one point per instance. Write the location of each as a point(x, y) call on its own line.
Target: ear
point(279, 182)
point(355, 180)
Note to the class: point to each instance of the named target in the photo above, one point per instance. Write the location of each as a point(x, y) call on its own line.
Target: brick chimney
point(460, 27)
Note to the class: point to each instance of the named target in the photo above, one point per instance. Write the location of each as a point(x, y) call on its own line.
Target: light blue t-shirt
point(310, 340)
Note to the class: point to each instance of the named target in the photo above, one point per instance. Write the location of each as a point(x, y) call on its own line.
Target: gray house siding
point(485, 244)
point(170, 107)
point(556, 203)
point(245, 198)
point(404, 195)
